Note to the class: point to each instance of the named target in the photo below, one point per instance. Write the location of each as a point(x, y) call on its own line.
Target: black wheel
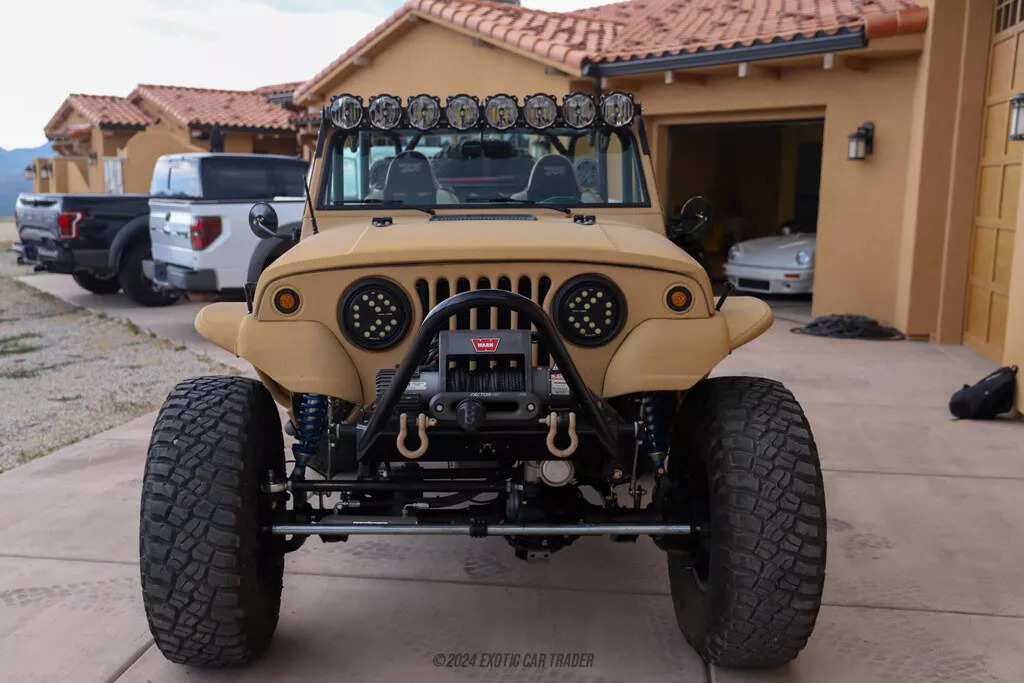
point(136, 285)
point(744, 466)
point(97, 284)
point(211, 576)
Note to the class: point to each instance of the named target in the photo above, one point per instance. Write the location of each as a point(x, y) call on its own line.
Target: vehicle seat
point(411, 179)
point(552, 176)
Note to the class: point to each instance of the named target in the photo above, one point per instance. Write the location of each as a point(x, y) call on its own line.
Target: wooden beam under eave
point(856, 63)
point(362, 60)
point(685, 77)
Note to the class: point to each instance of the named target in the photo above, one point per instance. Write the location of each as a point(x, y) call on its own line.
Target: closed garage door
point(998, 188)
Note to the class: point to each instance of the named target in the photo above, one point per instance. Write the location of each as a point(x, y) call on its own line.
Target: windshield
point(446, 167)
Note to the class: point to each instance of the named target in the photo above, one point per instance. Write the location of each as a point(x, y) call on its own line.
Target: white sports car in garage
point(780, 264)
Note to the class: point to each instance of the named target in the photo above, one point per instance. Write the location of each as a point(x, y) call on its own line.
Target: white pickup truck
point(199, 218)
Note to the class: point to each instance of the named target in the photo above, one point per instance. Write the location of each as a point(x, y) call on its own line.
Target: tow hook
point(552, 422)
point(422, 422)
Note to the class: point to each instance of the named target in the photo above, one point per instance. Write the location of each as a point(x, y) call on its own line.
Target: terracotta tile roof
point(567, 39)
point(671, 27)
point(107, 110)
point(643, 28)
point(278, 88)
point(206, 107)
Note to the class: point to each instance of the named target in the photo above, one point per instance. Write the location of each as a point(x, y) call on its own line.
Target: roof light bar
point(346, 111)
point(501, 111)
point(464, 112)
point(578, 110)
point(540, 111)
point(423, 111)
point(617, 108)
point(384, 111)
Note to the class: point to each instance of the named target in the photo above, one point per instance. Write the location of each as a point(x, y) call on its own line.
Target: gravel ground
point(67, 373)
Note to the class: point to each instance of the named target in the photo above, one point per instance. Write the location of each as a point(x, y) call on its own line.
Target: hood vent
point(483, 217)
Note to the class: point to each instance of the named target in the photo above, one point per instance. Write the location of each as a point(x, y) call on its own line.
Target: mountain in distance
point(12, 174)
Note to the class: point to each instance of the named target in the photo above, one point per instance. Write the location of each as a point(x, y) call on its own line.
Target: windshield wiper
point(390, 202)
point(529, 202)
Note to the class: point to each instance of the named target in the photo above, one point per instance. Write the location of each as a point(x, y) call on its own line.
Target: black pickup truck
point(100, 240)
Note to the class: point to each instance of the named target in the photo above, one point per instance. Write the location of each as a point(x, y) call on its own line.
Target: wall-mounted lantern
point(93, 158)
point(45, 171)
point(862, 142)
point(1017, 117)
point(30, 172)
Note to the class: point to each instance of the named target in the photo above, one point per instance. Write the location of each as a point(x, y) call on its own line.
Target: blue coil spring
point(310, 422)
point(654, 411)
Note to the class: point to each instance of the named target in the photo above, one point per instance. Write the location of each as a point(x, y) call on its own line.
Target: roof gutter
point(777, 49)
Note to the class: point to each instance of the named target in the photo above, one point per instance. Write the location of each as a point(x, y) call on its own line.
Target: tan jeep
point(484, 330)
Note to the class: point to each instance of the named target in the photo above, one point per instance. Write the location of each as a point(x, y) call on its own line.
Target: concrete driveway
point(925, 579)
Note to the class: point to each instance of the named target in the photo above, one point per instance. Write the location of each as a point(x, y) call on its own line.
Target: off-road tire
point(97, 285)
point(745, 443)
point(136, 285)
point(211, 577)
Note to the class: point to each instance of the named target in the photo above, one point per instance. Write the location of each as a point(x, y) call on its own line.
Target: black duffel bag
point(986, 399)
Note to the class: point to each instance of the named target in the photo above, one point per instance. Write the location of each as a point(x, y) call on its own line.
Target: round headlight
point(385, 111)
point(374, 313)
point(734, 252)
point(501, 111)
point(589, 310)
point(346, 111)
point(462, 112)
point(424, 111)
point(803, 257)
point(578, 110)
point(617, 109)
point(540, 111)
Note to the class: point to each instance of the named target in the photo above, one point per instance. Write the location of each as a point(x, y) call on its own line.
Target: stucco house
point(109, 144)
point(761, 105)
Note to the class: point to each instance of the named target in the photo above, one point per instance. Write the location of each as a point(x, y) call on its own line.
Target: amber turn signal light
point(287, 301)
point(678, 299)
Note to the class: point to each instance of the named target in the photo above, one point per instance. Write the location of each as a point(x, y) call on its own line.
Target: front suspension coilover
point(654, 412)
point(310, 422)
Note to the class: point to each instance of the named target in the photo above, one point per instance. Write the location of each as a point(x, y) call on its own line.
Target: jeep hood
point(421, 241)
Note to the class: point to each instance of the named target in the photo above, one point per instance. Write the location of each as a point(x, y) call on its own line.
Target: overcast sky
point(51, 48)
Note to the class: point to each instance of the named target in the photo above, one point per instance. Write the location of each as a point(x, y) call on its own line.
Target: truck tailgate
point(169, 224)
point(37, 217)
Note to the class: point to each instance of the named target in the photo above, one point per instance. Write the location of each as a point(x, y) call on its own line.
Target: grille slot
point(432, 292)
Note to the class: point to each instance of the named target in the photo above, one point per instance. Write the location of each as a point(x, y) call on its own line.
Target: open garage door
point(763, 178)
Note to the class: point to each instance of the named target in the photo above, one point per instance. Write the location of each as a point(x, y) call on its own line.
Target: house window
point(1008, 13)
point(113, 177)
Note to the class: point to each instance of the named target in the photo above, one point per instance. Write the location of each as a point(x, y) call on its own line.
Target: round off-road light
point(462, 112)
point(617, 109)
point(384, 111)
point(540, 111)
point(501, 111)
point(423, 111)
point(287, 301)
point(346, 111)
point(678, 298)
point(589, 310)
point(578, 110)
point(374, 314)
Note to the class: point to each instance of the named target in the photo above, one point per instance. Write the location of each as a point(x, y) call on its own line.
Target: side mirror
point(696, 213)
point(263, 221)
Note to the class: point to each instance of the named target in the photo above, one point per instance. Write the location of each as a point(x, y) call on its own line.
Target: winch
point(480, 378)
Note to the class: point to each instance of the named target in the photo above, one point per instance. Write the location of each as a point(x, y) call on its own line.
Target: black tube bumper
point(598, 423)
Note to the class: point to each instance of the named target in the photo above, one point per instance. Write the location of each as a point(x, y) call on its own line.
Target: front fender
point(299, 355)
point(673, 355)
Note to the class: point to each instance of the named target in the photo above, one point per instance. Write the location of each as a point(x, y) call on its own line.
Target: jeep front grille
point(537, 288)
